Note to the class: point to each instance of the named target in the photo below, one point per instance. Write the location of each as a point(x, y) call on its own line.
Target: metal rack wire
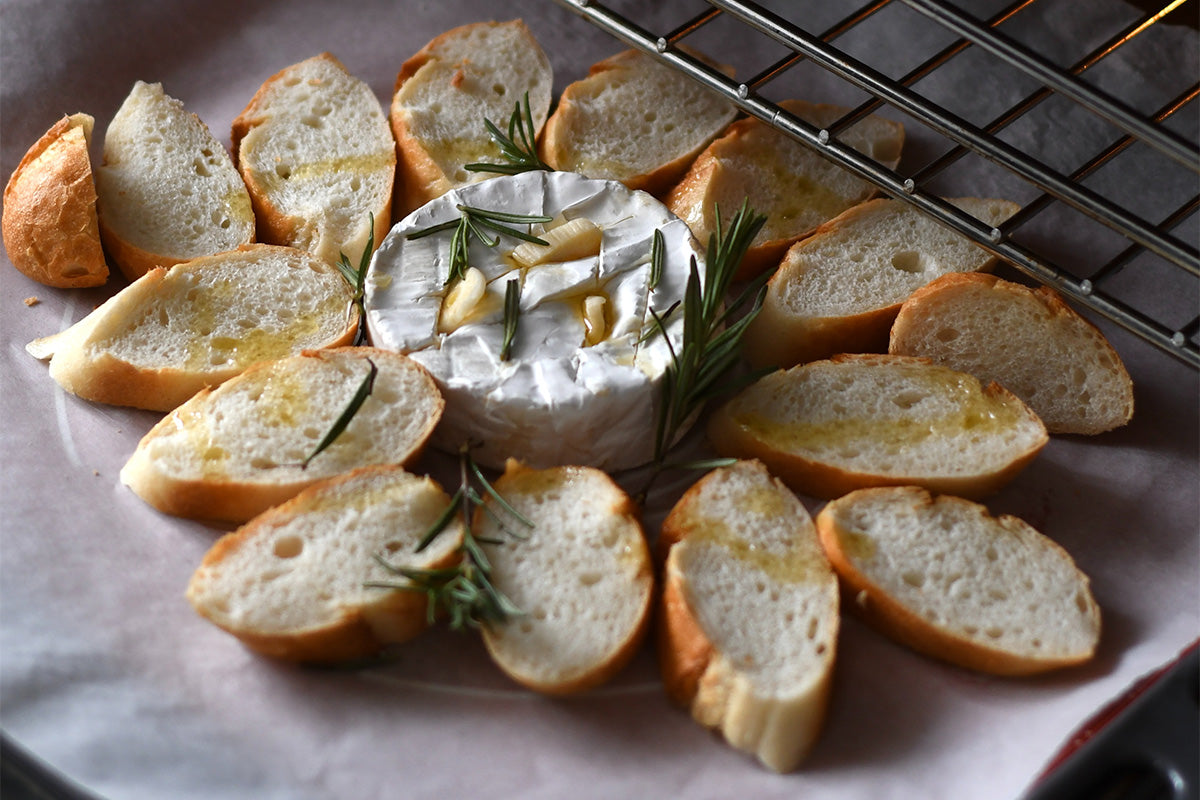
point(1150, 260)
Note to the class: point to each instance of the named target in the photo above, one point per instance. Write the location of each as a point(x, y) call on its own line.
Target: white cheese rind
point(555, 401)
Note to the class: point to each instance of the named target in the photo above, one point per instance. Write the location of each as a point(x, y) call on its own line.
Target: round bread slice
point(943, 576)
point(1028, 340)
point(581, 575)
point(582, 379)
point(749, 618)
point(796, 188)
point(174, 331)
point(634, 120)
point(232, 452)
point(443, 94)
point(167, 190)
point(300, 581)
point(314, 148)
point(51, 232)
point(839, 290)
point(829, 427)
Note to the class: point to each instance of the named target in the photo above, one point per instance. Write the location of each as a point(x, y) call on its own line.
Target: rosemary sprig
point(712, 331)
point(357, 279)
point(518, 148)
point(343, 421)
point(512, 313)
point(465, 592)
point(472, 222)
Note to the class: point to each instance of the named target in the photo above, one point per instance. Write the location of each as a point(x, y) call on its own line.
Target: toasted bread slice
point(172, 332)
point(51, 232)
point(794, 186)
point(945, 577)
point(839, 290)
point(581, 575)
point(853, 421)
point(314, 148)
point(295, 582)
point(749, 616)
point(232, 452)
point(633, 120)
point(167, 190)
point(1028, 340)
point(445, 92)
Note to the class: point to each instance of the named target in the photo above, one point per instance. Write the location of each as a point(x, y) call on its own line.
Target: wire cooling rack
point(1105, 164)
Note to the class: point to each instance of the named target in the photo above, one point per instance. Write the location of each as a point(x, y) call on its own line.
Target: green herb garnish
point(656, 259)
point(712, 332)
point(512, 312)
point(465, 592)
point(473, 222)
point(518, 148)
point(357, 279)
point(343, 421)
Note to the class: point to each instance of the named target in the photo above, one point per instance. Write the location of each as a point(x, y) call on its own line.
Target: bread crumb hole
point(913, 579)
point(991, 553)
point(946, 334)
point(908, 399)
point(1081, 603)
point(499, 89)
point(994, 633)
point(908, 261)
point(288, 546)
point(821, 649)
point(283, 170)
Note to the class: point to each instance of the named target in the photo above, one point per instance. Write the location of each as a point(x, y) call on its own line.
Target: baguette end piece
point(50, 227)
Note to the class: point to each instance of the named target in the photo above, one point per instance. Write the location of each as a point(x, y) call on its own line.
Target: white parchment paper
point(108, 676)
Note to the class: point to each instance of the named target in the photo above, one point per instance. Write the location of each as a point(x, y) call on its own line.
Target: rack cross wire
point(1149, 247)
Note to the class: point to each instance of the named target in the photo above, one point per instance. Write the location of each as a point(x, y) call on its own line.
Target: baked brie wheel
point(580, 383)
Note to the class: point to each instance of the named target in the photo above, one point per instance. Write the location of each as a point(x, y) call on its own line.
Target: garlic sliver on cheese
point(461, 301)
point(574, 239)
point(580, 385)
point(594, 324)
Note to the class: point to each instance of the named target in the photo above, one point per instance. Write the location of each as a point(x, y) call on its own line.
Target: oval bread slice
point(829, 427)
point(51, 232)
point(445, 92)
point(943, 576)
point(314, 148)
point(232, 452)
point(749, 617)
point(1029, 340)
point(581, 576)
point(633, 120)
point(167, 190)
point(794, 186)
point(174, 331)
point(295, 582)
point(839, 290)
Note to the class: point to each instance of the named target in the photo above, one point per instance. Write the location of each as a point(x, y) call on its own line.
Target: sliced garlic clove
point(594, 322)
point(462, 299)
point(578, 238)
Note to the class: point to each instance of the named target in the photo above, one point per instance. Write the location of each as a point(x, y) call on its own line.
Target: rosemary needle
point(512, 312)
point(343, 421)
